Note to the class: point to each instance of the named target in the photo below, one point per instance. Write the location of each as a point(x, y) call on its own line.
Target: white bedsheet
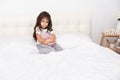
point(20, 60)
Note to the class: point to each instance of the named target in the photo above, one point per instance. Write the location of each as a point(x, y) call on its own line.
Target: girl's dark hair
point(42, 15)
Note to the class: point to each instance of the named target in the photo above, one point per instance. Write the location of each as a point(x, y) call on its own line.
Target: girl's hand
point(46, 42)
point(52, 38)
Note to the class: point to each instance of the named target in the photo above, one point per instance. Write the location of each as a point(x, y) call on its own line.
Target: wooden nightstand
point(106, 42)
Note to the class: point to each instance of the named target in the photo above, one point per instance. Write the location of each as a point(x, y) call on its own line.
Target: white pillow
point(67, 41)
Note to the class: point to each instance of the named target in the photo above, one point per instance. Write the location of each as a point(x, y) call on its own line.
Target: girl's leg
point(57, 47)
point(44, 49)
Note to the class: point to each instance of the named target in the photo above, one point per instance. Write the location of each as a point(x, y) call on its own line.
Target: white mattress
point(81, 59)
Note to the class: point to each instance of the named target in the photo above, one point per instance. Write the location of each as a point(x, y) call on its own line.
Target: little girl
point(44, 35)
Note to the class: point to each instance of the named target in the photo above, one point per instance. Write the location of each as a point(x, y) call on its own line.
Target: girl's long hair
point(42, 15)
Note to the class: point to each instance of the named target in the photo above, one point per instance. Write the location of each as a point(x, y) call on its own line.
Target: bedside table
point(105, 42)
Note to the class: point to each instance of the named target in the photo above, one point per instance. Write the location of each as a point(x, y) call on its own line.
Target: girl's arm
point(39, 38)
point(52, 38)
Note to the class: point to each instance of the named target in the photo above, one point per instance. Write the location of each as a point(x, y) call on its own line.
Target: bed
point(81, 59)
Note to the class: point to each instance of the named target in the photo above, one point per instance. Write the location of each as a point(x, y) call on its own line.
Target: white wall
point(103, 12)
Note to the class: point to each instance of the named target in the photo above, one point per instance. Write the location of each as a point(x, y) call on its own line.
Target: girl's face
point(44, 22)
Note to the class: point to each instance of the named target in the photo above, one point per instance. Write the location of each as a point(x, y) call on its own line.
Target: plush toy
point(46, 36)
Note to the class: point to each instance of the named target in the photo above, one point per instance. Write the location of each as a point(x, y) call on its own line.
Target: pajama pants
point(45, 49)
